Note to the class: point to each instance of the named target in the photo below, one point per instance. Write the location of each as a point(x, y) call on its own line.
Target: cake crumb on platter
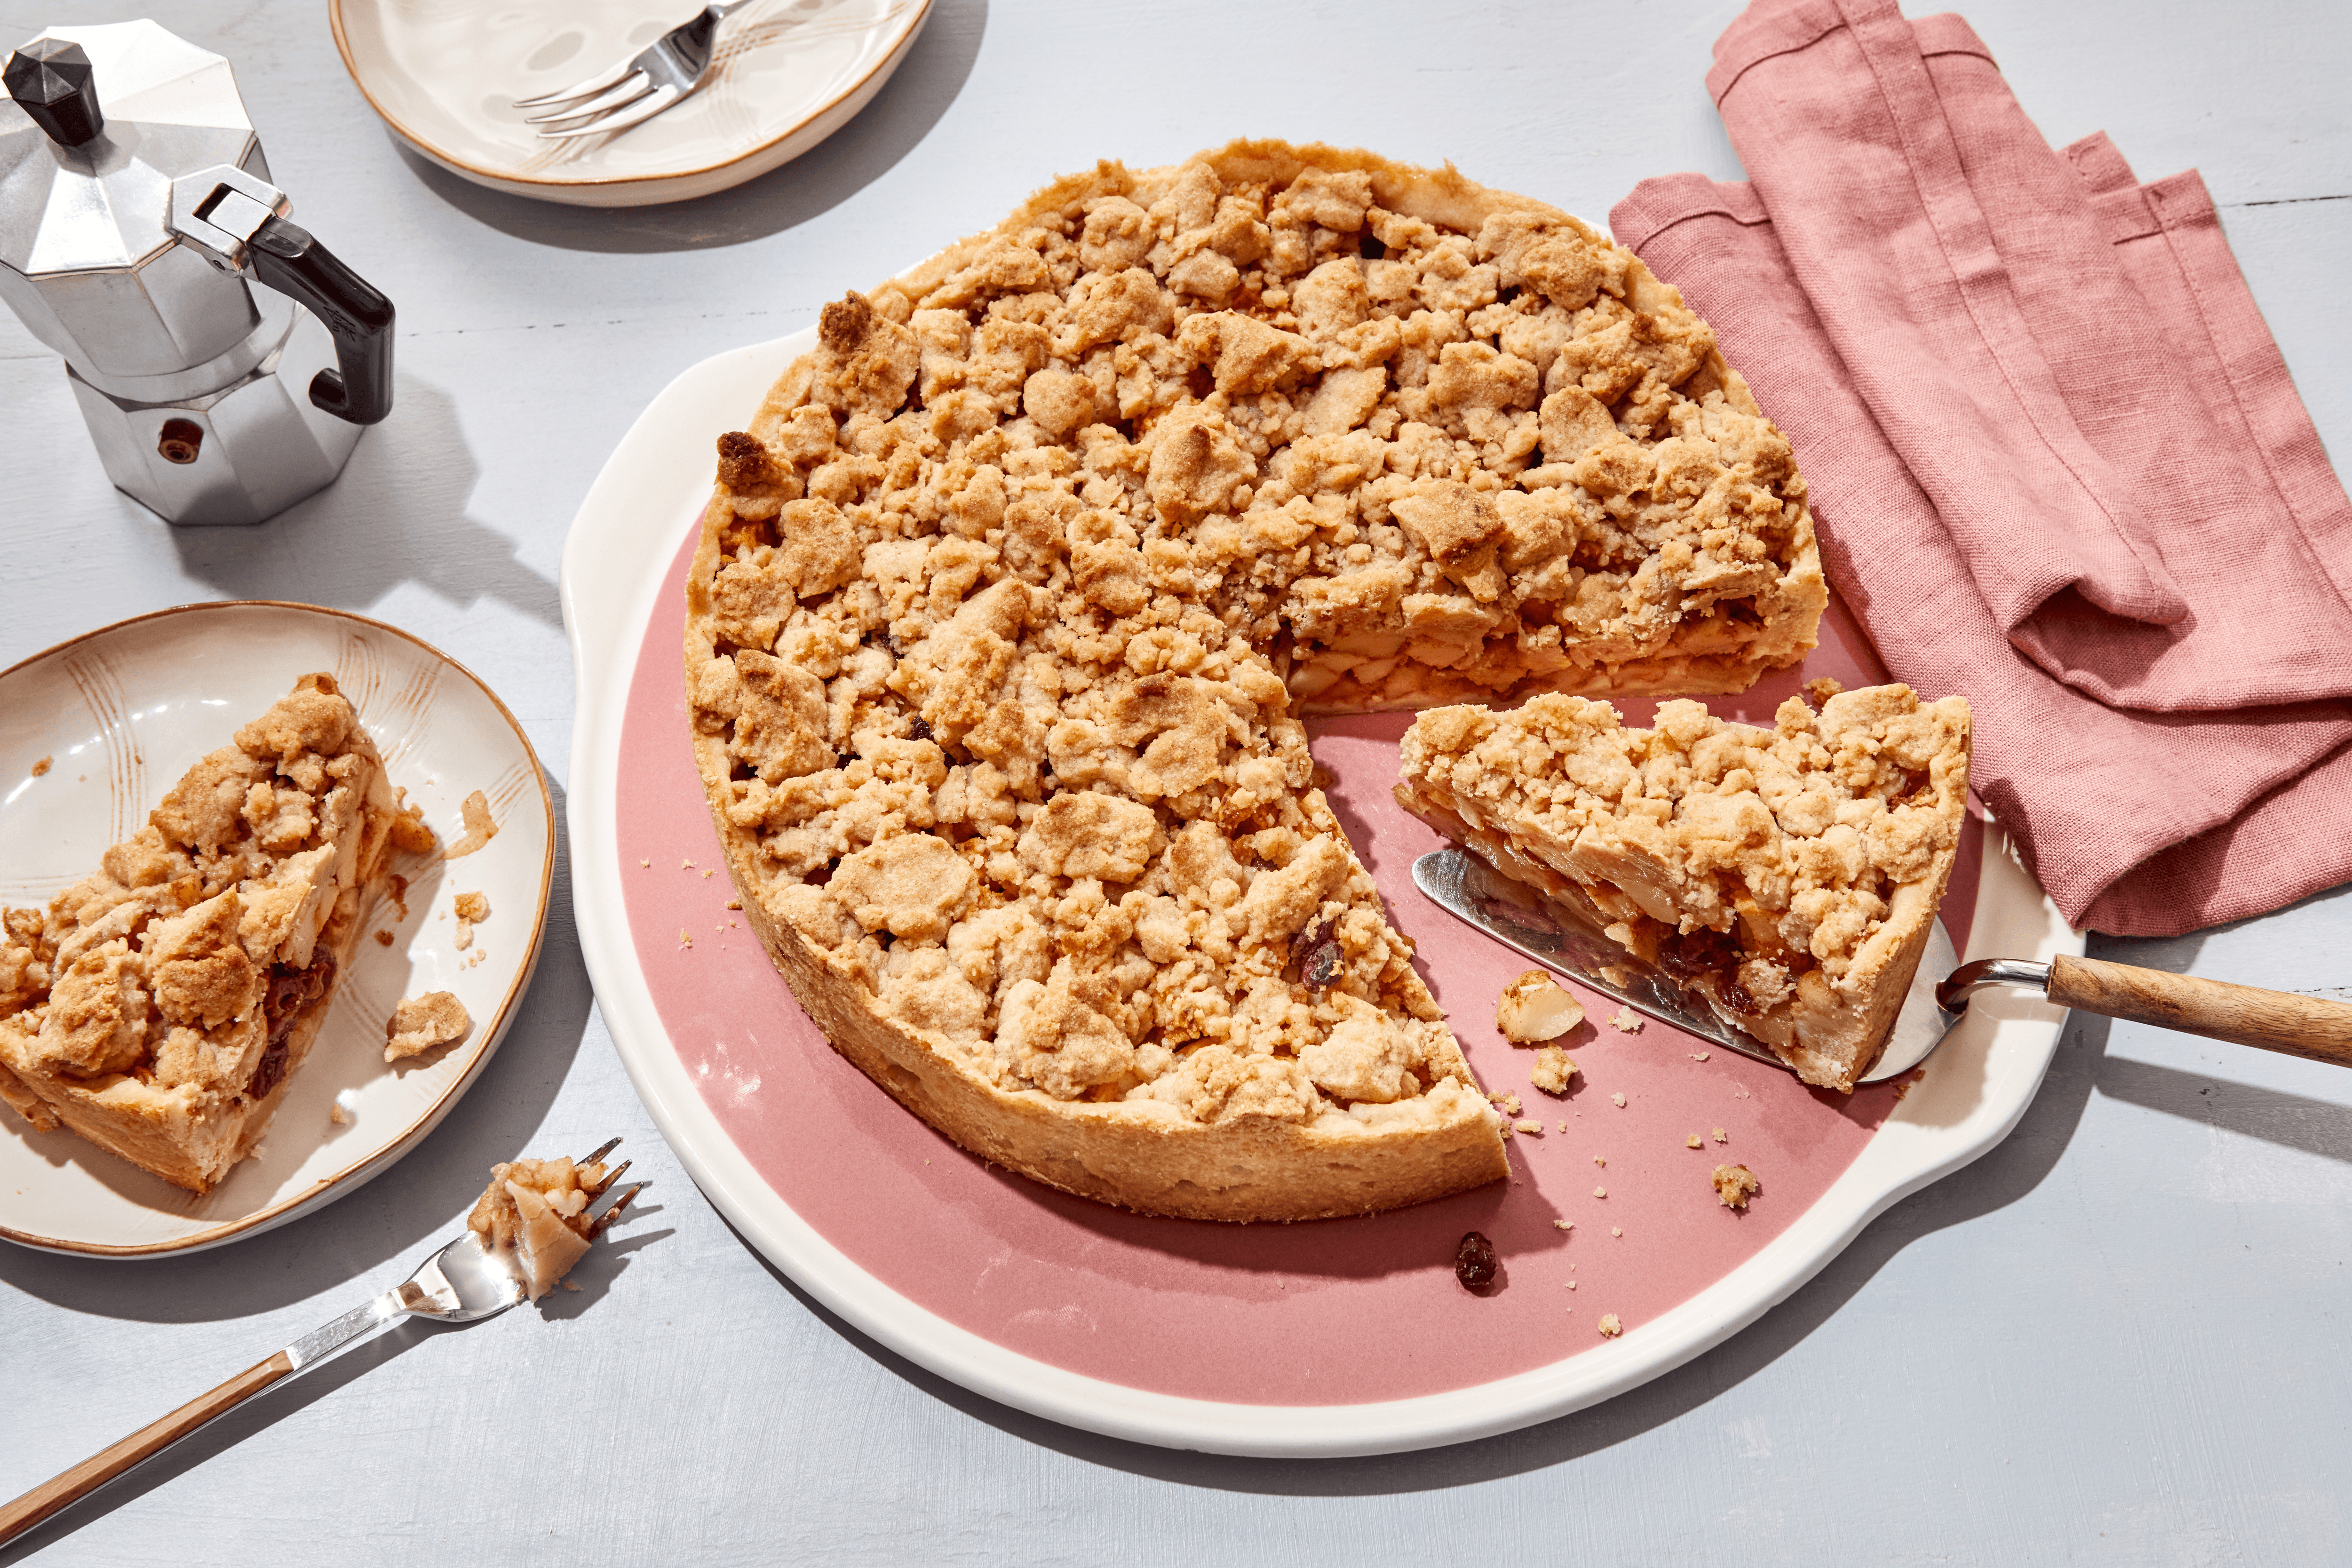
point(1625, 1020)
point(1552, 1070)
point(337, 1114)
point(383, 939)
point(1562, 1224)
point(1535, 1008)
point(1719, 1137)
point(1735, 1184)
point(42, 766)
point(1692, 1141)
point(1618, 1100)
point(1610, 1327)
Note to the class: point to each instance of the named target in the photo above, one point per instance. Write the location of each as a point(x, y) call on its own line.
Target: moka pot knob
point(50, 81)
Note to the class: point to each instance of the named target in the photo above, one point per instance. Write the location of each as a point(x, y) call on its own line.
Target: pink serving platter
point(1338, 1337)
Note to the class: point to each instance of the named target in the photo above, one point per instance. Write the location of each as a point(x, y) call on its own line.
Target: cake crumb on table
point(1616, 1230)
point(1692, 1141)
point(1533, 1127)
point(1719, 1137)
point(1552, 1070)
point(1735, 1184)
point(1699, 1055)
point(646, 860)
point(1598, 1161)
point(1626, 1021)
point(1508, 1104)
point(1601, 1192)
point(1563, 1225)
point(1618, 1100)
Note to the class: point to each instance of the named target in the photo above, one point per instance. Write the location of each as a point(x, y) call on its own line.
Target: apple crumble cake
point(534, 1216)
point(160, 1007)
point(1011, 593)
point(1788, 877)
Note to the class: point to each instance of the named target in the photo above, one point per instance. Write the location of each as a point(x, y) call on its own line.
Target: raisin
point(1322, 964)
point(265, 1076)
point(1369, 246)
point(922, 730)
point(1473, 1260)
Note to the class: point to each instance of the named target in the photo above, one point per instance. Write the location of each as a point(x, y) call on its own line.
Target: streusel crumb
point(426, 1022)
point(1552, 1070)
point(1735, 1184)
point(1610, 1327)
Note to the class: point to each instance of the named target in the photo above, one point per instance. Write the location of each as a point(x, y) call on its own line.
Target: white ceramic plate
point(121, 713)
point(614, 561)
point(444, 75)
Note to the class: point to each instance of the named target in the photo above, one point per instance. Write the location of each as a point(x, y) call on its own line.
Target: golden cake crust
point(1787, 876)
point(1036, 560)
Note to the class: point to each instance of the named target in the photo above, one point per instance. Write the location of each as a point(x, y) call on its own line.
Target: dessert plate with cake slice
point(245, 842)
point(1004, 907)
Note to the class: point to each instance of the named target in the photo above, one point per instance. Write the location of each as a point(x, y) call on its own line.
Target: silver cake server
point(1562, 937)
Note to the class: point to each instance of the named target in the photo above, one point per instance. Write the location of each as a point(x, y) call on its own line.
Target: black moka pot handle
point(284, 256)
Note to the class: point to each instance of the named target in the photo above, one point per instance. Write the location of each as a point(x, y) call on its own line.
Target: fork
point(460, 1283)
point(640, 87)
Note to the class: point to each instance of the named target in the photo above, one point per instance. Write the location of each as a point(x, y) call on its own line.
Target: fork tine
point(611, 1176)
point(588, 89)
point(602, 1150)
point(653, 103)
point(605, 1219)
point(632, 86)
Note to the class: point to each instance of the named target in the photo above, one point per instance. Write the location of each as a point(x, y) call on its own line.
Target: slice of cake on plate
point(160, 1006)
point(1011, 592)
point(1790, 876)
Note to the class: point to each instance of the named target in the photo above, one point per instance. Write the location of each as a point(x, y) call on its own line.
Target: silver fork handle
point(63, 1491)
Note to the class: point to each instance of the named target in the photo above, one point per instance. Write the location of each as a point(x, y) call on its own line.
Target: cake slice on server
point(1788, 877)
point(159, 1008)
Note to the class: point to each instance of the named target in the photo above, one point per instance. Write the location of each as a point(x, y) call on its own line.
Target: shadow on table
point(401, 1214)
point(2011, 1171)
point(263, 1411)
point(398, 514)
point(845, 162)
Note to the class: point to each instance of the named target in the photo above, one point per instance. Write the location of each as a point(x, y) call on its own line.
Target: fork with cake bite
point(490, 1268)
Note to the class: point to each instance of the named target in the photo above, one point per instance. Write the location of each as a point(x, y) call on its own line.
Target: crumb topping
point(1021, 576)
point(1535, 1008)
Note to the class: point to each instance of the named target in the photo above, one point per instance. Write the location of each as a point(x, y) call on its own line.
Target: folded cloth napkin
point(2058, 463)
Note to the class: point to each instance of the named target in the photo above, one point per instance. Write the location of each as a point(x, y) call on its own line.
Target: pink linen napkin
point(2057, 461)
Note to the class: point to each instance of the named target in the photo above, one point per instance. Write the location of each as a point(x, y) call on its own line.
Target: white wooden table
point(2118, 1338)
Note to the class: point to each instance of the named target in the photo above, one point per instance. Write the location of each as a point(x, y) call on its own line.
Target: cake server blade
point(1568, 940)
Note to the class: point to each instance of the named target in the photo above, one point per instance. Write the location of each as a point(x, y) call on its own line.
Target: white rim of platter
point(443, 75)
point(614, 561)
point(121, 713)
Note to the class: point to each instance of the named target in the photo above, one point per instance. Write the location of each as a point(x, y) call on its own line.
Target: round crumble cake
point(1011, 596)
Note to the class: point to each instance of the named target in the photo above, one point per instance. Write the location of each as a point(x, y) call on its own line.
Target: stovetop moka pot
point(135, 206)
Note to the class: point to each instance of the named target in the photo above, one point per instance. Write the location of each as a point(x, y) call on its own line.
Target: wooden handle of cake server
point(2310, 1027)
point(103, 1466)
